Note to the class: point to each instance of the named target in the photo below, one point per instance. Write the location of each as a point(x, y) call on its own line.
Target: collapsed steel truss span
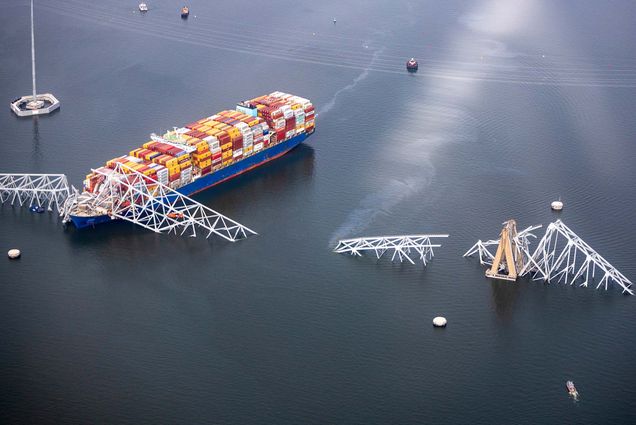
point(45, 190)
point(131, 196)
point(400, 245)
point(564, 256)
point(561, 256)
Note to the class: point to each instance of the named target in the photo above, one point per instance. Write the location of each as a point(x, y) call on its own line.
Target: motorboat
point(411, 65)
point(572, 390)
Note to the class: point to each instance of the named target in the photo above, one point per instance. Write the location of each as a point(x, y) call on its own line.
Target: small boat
point(185, 12)
point(411, 65)
point(143, 7)
point(572, 390)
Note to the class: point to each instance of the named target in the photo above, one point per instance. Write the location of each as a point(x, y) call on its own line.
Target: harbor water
point(515, 104)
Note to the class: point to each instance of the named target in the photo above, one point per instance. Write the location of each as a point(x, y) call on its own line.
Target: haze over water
point(515, 104)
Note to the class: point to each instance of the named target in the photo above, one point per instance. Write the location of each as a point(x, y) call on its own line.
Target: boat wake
point(329, 105)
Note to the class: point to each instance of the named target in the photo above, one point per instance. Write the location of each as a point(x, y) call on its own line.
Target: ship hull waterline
point(212, 179)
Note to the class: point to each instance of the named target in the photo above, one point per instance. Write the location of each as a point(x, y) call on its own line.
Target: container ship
point(207, 152)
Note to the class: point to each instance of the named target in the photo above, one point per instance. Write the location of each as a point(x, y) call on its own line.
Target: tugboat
point(185, 12)
point(411, 65)
point(143, 7)
point(572, 390)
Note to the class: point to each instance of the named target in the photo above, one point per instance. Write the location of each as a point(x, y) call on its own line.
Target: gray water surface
point(516, 103)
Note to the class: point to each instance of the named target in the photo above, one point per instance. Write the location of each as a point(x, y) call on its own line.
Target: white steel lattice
point(45, 190)
point(521, 244)
point(560, 256)
point(400, 245)
point(131, 196)
point(564, 256)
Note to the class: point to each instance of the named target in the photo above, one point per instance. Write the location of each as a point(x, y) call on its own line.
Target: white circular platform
point(439, 322)
point(556, 205)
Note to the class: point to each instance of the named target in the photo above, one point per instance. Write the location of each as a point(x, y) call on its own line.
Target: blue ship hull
point(209, 180)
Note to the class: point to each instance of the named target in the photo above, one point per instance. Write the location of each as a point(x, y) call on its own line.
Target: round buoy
point(557, 205)
point(14, 253)
point(439, 322)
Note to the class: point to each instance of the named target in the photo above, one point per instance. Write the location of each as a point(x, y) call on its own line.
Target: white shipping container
point(237, 152)
point(258, 146)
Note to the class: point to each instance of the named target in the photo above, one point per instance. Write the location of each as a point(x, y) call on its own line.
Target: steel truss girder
point(400, 245)
point(131, 196)
point(45, 190)
point(561, 256)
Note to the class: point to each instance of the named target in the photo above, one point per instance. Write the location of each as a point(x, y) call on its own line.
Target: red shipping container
point(280, 135)
point(191, 125)
point(206, 170)
point(290, 123)
point(174, 177)
point(237, 143)
point(217, 155)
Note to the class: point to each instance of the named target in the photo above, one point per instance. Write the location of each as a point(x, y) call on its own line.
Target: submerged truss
point(400, 245)
point(44, 190)
point(560, 256)
point(129, 195)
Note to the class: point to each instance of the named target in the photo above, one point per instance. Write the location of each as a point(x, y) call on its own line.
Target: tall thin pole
point(33, 52)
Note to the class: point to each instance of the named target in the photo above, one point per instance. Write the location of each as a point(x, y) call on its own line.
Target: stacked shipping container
point(215, 142)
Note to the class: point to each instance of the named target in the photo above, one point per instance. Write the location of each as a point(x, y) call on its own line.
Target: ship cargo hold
point(208, 151)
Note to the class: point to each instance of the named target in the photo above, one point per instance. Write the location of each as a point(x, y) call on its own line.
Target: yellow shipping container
point(296, 106)
point(204, 120)
point(147, 144)
point(202, 156)
point(227, 146)
point(228, 162)
point(185, 164)
point(202, 146)
point(247, 151)
point(226, 154)
point(205, 163)
point(253, 122)
point(204, 128)
point(135, 152)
